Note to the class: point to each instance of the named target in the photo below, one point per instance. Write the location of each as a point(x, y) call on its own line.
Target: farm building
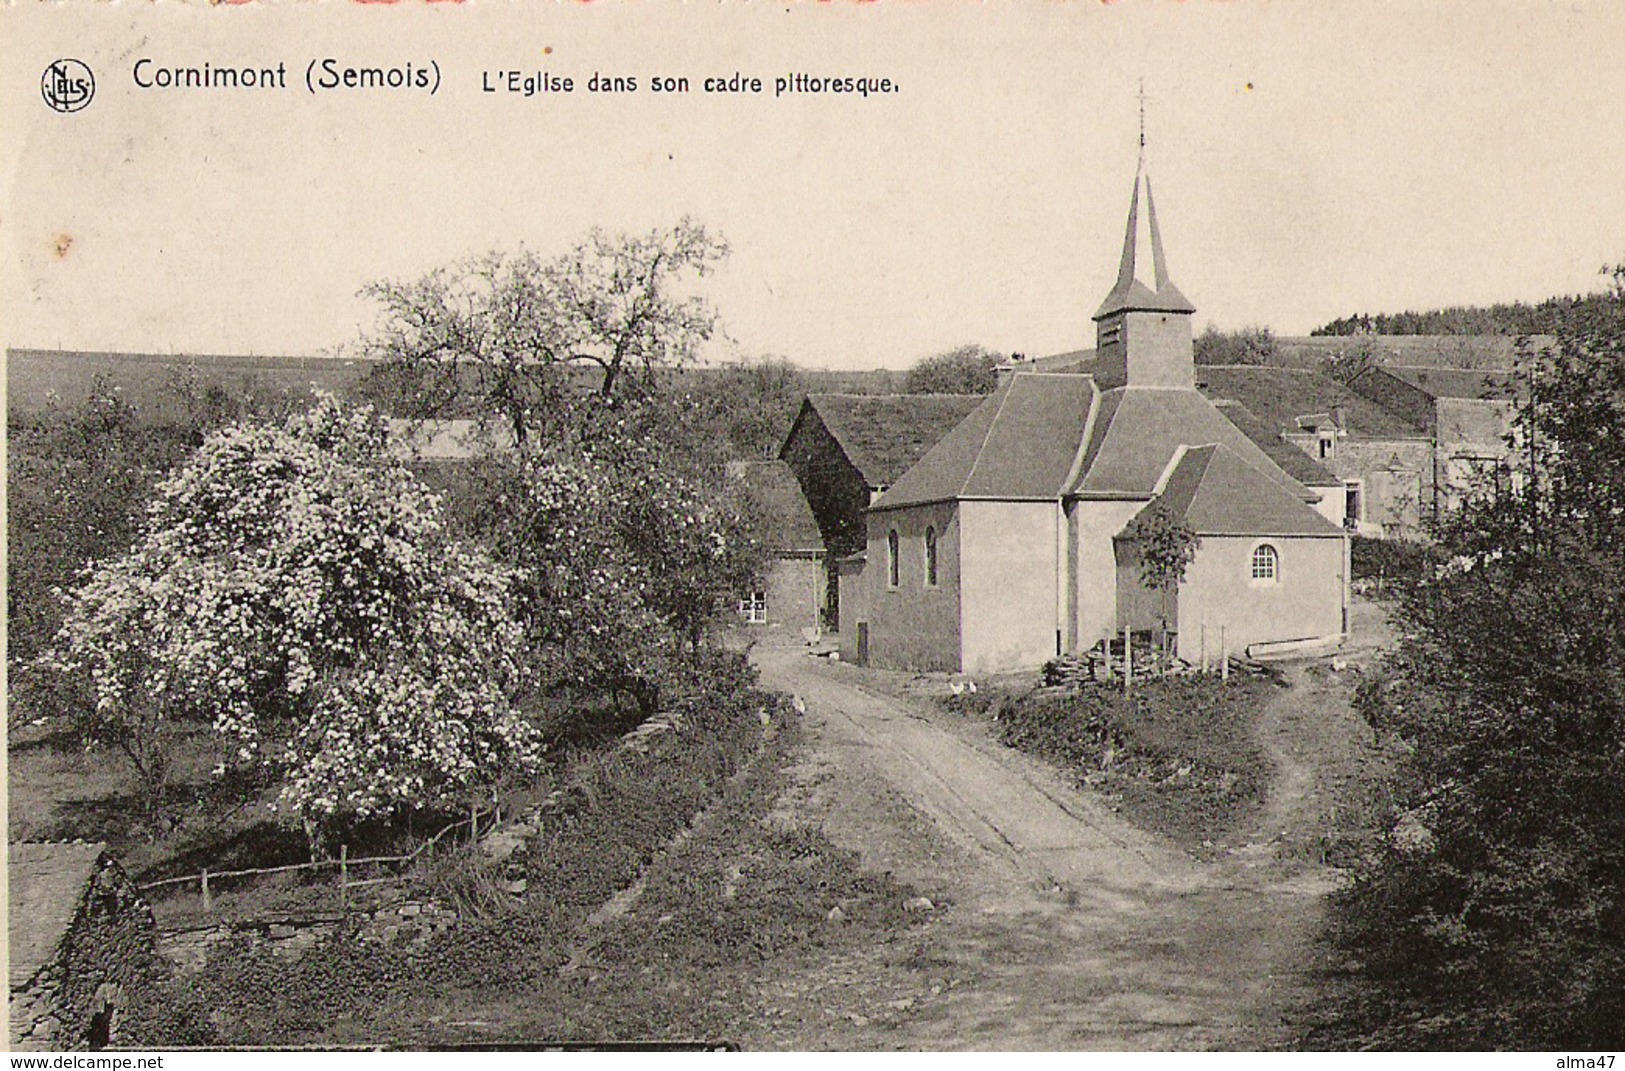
point(1383, 461)
point(1466, 413)
point(1006, 543)
point(793, 591)
point(81, 939)
point(845, 449)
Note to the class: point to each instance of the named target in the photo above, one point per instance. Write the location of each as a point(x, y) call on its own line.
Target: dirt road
point(1070, 929)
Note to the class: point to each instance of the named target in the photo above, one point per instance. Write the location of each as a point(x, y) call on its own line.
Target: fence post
point(473, 824)
point(1224, 656)
point(203, 884)
point(344, 879)
point(1128, 660)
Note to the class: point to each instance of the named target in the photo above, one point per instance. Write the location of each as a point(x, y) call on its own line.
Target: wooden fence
point(343, 863)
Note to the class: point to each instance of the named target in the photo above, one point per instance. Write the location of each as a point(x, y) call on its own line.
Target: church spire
point(1143, 284)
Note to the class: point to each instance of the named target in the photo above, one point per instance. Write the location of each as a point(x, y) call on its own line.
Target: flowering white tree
point(294, 586)
point(624, 557)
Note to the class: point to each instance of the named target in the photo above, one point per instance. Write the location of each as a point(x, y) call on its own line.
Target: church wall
point(1009, 607)
point(1094, 587)
point(852, 587)
point(1305, 602)
point(913, 625)
point(1138, 607)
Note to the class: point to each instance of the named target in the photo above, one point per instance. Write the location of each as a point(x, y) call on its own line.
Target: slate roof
point(1138, 429)
point(1473, 383)
point(1279, 396)
point(1216, 493)
point(787, 519)
point(1019, 443)
point(1024, 442)
point(883, 435)
point(46, 884)
point(1142, 275)
point(1293, 461)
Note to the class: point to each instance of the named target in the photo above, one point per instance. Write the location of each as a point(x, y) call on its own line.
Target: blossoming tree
point(294, 586)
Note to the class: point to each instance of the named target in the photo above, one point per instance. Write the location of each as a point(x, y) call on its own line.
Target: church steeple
point(1143, 328)
point(1142, 276)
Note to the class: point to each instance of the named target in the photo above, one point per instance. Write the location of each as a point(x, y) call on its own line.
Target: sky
point(1310, 161)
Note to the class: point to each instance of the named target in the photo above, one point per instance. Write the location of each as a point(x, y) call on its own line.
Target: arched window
point(891, 558)
point(1266, 564)
point(930, 557)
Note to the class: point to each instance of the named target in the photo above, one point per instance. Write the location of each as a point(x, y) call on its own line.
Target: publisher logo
point(67, 85)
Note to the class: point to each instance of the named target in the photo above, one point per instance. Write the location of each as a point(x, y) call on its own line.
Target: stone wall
point(74, 1000)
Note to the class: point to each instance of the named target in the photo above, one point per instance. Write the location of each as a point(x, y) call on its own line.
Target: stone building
point(845, 449)
point(794, 590)
point(1383, 461)
point(1465, 413)
point(81, 939)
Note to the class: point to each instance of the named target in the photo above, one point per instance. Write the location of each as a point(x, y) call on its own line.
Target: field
point(35, 377)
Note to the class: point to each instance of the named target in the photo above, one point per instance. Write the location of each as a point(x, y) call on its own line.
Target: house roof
point(1279, 396)
point(1020, 443)
point(46, 884)
point(788, 521)
point(1469, 383)
point(1215, 492)
point(883, 435)
point(1293, 461)
point(1138, 429)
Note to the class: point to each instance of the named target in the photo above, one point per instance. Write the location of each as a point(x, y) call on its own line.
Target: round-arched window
point(891, 558)
point(931, 557)
point(1266, 564)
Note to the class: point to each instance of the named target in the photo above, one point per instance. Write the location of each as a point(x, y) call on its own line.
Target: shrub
point(1178, 749)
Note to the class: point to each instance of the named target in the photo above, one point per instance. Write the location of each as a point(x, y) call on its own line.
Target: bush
point(1387, 559)
point(1179, 749)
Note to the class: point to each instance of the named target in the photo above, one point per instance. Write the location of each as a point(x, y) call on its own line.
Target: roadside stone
point(835, 914)
point(918, 904)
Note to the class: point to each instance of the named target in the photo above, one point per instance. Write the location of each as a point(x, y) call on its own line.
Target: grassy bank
point(1178, 756)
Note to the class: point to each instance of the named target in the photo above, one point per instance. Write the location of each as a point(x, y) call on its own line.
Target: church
point(1009, 541)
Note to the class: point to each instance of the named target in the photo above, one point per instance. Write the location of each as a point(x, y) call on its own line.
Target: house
point(1007, 542)
point(794, 589)
point(1466, 414)
point(845, 449)
point(1383, 462)
point(81, 939)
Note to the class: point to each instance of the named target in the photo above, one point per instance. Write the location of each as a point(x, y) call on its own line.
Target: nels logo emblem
point(67, 85)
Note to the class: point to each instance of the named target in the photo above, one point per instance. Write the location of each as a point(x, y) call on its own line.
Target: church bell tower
point(1143, 328)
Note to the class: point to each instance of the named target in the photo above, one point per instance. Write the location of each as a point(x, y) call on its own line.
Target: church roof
point(1293, 461)
point(1020, 443)
point(787, 520)
point(883, 435)
point(1138, 429)
point(1215, 492)
point(1048, 435)
point(1142, 275)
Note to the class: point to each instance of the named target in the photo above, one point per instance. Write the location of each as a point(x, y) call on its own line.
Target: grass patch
point(1178, 755)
